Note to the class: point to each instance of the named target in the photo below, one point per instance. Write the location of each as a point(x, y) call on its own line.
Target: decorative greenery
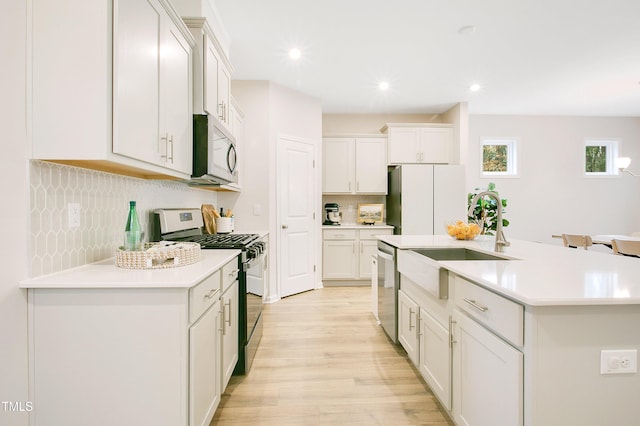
point(485, 212)
point(494, 158)
point(595, 159)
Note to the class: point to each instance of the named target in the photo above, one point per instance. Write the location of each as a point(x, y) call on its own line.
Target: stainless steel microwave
point(214, 152)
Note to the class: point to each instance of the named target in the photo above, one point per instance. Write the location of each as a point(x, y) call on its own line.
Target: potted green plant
point(485, 212)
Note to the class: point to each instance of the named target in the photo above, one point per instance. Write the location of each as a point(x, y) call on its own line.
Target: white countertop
point(543, 274)
point(105, 274)
point(356, 226)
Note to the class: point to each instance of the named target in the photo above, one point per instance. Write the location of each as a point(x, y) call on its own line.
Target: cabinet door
point(175, 99)
point(229, 309)
point(211, 64)
point(136, 98)
point(367, 249)
point(435, 357)
point(408, 326)
point(204, 359)
point(338, 166)
point(402, 145)
point(487, 376)
point(435, 144)
point(371, 165)
point(339, 259)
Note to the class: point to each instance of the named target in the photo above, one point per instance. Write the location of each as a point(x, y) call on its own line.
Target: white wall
point(15, 213)
point(271, 110)
point(551, 195)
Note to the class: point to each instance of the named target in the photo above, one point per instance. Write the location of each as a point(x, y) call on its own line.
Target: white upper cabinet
point(152, 86)
point(112, 90)
point(354, 165)
point(415, 143)
point(212, 73)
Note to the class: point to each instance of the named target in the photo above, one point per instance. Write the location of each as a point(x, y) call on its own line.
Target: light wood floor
point(323, 360)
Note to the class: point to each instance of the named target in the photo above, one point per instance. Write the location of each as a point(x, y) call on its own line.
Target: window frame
point(512, 157)
point(613, 149)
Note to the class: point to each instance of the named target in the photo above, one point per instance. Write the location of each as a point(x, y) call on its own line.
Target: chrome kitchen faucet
point(501, 241)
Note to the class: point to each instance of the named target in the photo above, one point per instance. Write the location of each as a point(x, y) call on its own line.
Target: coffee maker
point(333, 215)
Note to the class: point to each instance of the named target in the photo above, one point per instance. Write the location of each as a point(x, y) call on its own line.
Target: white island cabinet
point(524, 340)
point(129, 347)
point(112, 88)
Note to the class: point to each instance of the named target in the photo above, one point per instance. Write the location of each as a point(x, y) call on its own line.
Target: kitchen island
point(531, 340)
point(110, 346)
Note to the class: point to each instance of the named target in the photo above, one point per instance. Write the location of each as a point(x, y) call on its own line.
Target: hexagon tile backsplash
point(103, 199)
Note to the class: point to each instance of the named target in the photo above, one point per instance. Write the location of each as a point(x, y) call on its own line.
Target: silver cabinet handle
point(222, 312)
point(170, 142)
point(164, 140)
point(452, 339)
point(210, 294)
point(229, 321)
point(285, 226)
point(234, 272)
point(475, 305)
point(410, 314)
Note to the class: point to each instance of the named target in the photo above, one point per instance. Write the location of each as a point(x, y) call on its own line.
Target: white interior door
point(296, 222)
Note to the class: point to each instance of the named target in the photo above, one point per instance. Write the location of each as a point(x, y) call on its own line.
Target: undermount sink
point(457, 254)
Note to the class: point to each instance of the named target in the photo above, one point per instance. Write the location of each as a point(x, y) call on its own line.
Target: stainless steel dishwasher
point(388, 282)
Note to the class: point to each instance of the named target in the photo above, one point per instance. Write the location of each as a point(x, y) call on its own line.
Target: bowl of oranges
point(461, 230)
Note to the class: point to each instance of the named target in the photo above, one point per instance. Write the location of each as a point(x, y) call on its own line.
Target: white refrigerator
point(422, 198)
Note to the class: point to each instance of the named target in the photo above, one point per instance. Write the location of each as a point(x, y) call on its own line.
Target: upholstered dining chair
point(626, 247)
point(575, 241)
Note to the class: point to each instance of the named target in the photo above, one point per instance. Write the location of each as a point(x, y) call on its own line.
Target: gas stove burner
point(225, 240)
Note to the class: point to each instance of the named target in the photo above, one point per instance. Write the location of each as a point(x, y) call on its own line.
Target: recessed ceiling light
point(295, 54)
point(467, 29)
point(383, 85)
point(475, 87)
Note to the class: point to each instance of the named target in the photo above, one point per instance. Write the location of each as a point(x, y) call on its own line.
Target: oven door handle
point(250, 263)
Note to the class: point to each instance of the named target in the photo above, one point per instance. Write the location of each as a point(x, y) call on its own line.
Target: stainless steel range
point(186, 225)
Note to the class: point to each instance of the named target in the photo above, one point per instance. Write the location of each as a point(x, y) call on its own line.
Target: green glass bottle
point(133, 231)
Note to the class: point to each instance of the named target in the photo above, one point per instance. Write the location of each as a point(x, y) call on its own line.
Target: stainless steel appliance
point(333, 216)
point(186, 225)
point(214, 152)
point(388, 283)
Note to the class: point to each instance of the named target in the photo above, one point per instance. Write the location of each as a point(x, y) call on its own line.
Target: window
point(599, 157)
point(499, 157)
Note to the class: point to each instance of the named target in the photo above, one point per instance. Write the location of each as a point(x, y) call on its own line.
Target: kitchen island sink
point(458, 253)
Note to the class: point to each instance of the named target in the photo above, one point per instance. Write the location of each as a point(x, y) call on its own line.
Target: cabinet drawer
point(502, 315)
point(229, 274)
point(203, 295)
point(339, 234)
point(370, 234)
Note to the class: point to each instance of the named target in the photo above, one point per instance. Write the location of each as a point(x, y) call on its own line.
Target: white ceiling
point(548, 57)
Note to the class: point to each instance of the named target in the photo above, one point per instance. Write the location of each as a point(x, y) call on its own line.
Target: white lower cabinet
point(466, 348)
point(435, 357)
point(204, 372)
point(229, 330)
point(487, 376)
point(408, 312)
point(346, 253)
point(131, 355)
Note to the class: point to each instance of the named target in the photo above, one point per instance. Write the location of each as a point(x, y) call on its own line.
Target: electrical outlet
point(74, 215)
point(623, 361)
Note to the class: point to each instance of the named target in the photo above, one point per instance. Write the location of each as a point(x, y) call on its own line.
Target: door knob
point(285, 226)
